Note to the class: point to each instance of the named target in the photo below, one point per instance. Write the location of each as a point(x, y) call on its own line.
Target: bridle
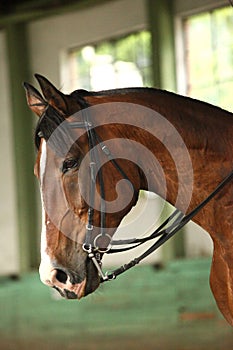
point(93, 246)
point(163, 233)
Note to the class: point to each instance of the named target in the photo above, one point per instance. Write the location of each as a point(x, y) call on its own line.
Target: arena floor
point(144, 309)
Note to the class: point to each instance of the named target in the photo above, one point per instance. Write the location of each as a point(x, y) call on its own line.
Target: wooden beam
point(40, 9)
point(22, 124)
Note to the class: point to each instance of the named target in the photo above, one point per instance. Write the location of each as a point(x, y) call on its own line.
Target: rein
point(163, 233)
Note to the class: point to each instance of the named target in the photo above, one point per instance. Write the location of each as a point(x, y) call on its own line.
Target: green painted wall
point(22, 123)
point(161, 24)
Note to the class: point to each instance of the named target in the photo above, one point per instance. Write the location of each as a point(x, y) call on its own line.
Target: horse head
point(70, 210)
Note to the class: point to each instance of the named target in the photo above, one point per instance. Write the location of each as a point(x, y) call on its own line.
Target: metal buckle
point(109, 276)
point(89, 227)
point(92, 167)
point(103, 236)
point(87, 248)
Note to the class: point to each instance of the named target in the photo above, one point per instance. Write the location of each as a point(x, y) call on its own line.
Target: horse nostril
point(61, 276)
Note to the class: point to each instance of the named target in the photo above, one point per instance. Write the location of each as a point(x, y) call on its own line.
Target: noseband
point(164, 232)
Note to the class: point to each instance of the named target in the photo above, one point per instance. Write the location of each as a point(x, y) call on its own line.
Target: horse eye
point(69, 164)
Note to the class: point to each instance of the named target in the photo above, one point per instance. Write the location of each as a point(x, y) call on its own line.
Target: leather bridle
point(164, 232)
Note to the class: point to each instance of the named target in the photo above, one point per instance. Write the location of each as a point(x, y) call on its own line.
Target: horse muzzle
point(70, 284)
point(64, 284)
point(61, 281)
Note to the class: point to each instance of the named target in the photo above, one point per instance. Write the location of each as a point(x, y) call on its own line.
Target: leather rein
point(163, 233)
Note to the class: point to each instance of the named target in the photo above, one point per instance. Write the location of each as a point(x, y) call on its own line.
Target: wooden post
point(22, 125)
point(161, 25)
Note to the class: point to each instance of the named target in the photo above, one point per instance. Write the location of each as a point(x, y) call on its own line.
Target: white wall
point(9, 257)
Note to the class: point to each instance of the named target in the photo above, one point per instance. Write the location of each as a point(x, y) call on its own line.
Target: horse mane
point(121, 91)
point(80, 94)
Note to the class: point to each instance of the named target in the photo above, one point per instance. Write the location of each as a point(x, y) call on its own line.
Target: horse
point(97, 150)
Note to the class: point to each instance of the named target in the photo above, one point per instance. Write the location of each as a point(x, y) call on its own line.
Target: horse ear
point(54, 97)
point(34, 99)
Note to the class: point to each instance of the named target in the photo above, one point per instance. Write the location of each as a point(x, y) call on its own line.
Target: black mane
point(121, 91)
point(47, 124)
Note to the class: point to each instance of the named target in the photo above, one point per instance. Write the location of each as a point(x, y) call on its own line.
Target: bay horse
point(97, 150)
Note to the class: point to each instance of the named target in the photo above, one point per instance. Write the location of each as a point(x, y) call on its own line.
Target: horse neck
point(190, 141)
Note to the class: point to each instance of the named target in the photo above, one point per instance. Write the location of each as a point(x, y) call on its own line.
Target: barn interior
point(178, 45)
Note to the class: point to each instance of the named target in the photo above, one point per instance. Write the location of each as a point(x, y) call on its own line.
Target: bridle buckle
point(106, 239)
point(89, 227)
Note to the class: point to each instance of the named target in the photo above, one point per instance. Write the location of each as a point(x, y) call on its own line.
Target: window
point(116, 63)
point(209, 56)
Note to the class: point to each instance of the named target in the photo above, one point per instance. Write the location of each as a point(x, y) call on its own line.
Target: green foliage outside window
point(120, 62)
point(209, 56)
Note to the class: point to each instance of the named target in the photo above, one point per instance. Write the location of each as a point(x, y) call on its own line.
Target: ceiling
point(8, 7)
